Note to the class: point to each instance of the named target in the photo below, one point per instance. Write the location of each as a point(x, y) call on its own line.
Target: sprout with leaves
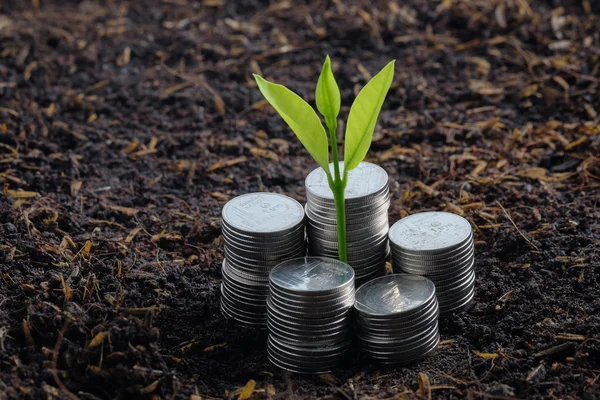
point(306, 124)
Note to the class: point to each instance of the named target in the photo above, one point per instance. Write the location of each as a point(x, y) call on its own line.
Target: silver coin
point(366, 249)
point(394, 294)
point(262, 213)
point(458, 289)
point(272, 245)
point(353, 202)
point(333, 326)
point(264, 243)
point(244, 316)
point(406, 353)
point(244, 277)
point(453, 271)
point(363, 180)
point(243, 305)
point(398, 344)
point(403, 323)
point(375, 251)
point(350, 223)
point(266, 255)
point(305, 361)
point(308, 324)
point(412, 353)
point(459, 305)
point(403, 361)
point(247, 274)
point(373, 225)
point(304, 339)
point(311, 337)
point(282, 314)
point(251, 323)
point(369, 270)
point(430, 232)
point(439, 266)
point(361, 280)
point(297, 302)
point(256, 272)
point(304, 355)
point(312, 274)
point(406, 317)
point(256, 289)
point(230, 272)
point(242, 291)
point(307, 370)
point(427, 259)
point(315, 312)
point(402, 358)
point(259, 265)
point(444, 268)
point(447, 273)
point(397, 330)
point(357, 247)
point(262, 236)
point(370, 207)
point(309, 298)
point(247, 261)
point(317, 350)
point(378, 232)
point(404, 342)
point(310, 310)
point(443, 285)
point(374, 233)
point(301, 242)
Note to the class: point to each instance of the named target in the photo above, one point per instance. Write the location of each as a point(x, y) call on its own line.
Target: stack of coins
point(397, 318)
point(440, 246)
point(260, 230)
point(367, 202)
point(308, 313)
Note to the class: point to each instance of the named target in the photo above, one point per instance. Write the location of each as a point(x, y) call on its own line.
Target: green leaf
point(328, 94)
point(300, 117)
point(363, 117)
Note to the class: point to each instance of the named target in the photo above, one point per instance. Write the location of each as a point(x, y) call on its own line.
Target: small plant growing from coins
point(307, 126)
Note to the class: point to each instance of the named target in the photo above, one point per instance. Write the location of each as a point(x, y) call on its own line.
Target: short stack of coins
point(259, 230)
point(397, 318)
point(438, 245)
point(309, 305)
point(367, 201)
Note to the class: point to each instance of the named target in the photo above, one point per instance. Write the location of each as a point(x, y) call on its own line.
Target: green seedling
point(307, 126)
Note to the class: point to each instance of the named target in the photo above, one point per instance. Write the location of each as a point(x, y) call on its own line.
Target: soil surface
point(125, 126)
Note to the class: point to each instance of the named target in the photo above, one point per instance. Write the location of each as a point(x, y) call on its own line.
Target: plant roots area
point(125, 126)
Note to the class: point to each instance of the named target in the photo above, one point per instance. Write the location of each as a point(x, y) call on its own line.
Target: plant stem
point(340, 213)
point(338, 187)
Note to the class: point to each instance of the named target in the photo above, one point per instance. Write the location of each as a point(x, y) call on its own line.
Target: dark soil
point(125, 127)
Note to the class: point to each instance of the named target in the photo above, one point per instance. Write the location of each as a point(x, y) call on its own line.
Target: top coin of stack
point(308, 314)
point(367, 201)
point(260, 230)
point(440, 246)
point(397, 318)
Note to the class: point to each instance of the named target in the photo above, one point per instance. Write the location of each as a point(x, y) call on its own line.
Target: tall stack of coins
point(260, 230)
point(440, 246)
point(397, 318)
point(308, 314)
point(367, 202)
